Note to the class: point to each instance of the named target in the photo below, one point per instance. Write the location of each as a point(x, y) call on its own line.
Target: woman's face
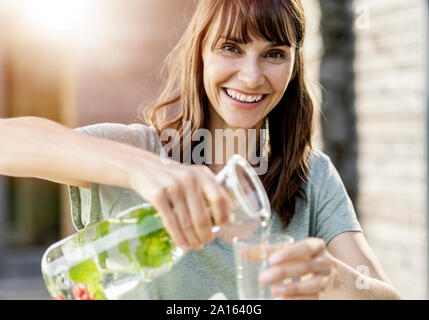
point(244, 82)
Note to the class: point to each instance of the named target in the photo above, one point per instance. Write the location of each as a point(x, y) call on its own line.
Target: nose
point(251, 73)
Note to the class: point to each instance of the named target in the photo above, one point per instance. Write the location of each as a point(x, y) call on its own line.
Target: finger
point(169, 219)
point(291, 270)
point(182, 212)
point(256, 253)
point(218, 200)
point(199, 215)
point(300, 250)
point(310, 287)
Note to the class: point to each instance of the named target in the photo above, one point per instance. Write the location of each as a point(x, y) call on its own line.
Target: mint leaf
point(101, 230)
point(141, 213)
point(155, 249)
point(124, 248)
point(155, 243)
point(149, 224)
point(102, 256)
point(87, 273)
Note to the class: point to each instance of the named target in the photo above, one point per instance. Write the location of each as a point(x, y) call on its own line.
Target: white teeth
point(243, 98)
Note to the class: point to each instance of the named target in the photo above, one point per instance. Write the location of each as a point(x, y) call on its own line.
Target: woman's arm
point(345, 269)
point(359, 275)
point(39, 148)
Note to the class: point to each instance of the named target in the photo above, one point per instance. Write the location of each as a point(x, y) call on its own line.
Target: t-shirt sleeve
point(334, 211)
point(100, 201)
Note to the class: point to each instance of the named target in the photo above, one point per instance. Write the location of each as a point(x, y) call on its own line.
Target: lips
point(244, 100)
point(243, 97)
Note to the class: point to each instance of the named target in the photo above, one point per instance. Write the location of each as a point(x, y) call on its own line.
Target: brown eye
point(275, 54)
point(229, 48)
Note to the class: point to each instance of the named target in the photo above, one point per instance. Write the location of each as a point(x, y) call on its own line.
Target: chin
point(241, 123)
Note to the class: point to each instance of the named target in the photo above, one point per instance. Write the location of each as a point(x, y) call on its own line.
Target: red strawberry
point(81, 292)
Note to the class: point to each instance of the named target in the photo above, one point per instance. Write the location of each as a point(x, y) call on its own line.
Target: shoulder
point(320, 166)
point(136, 134)
point(322, 177)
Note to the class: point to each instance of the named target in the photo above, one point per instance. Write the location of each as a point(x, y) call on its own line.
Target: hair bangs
point(243, 20)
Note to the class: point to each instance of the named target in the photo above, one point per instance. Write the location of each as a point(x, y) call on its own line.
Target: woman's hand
point(179, 193)
point(307, 259)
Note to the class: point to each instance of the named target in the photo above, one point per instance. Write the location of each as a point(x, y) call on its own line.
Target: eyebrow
point(272, 44)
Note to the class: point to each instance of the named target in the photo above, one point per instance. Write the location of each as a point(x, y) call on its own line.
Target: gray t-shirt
point(200, 274)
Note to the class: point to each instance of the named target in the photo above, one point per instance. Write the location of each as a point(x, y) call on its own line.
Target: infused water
point(110, 258)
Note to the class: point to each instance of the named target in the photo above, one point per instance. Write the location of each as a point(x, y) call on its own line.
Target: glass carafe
point(108, 259)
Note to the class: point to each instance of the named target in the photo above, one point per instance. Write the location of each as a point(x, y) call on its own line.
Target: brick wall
point(313, 47)
point(390, 108)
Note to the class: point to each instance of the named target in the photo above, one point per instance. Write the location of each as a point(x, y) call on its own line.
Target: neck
point(228, 140)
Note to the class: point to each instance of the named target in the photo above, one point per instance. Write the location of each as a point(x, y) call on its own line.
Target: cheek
point(216, 72)
point(217, 69)
point(279, 79)
point(209, 77)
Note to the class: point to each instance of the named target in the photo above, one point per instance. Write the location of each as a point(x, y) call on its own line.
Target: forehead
point(233, 22)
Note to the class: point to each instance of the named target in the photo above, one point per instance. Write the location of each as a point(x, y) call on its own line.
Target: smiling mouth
point(243, 98)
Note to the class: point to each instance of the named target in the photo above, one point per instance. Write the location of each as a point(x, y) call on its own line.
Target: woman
point(238, 66)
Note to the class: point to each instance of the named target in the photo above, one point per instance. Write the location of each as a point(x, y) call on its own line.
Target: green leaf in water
point(124, 248)
point(102, 256)
point(141, 213)
point(155, 249)
point(101, 230)
point(87, 273)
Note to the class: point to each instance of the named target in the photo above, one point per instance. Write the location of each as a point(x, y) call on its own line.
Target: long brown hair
point(291, 122)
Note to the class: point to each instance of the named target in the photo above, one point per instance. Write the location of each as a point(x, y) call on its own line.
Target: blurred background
point(87, 61)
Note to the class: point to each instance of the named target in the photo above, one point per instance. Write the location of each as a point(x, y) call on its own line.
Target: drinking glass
point(250, 255)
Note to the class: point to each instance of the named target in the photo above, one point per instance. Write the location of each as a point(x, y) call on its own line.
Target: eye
point(230, 48)
point(276, 54)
